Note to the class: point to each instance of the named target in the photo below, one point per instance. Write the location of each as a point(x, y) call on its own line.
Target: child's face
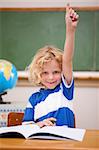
point(51, 74)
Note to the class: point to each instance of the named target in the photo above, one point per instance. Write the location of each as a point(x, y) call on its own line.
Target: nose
point(51, 76)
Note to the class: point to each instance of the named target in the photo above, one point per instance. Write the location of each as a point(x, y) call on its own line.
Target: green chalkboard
point(23, 33)
point(97, 41)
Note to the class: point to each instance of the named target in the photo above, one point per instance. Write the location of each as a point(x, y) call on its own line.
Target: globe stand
point(1, 99)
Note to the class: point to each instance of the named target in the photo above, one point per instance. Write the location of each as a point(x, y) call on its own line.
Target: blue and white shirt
point(55, 103)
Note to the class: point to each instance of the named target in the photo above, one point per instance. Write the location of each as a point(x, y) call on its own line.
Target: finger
point(48, 123)
point(71, 12)
point(74, 17)
point(54, 119)
point(67, 7)
point(40, 124)
point(77, 16)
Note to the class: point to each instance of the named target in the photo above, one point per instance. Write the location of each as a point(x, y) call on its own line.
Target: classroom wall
point(86, 99)
point(86, 107)
point(47, 3)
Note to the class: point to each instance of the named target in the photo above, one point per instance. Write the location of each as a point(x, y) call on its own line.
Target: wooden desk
point(91, 141)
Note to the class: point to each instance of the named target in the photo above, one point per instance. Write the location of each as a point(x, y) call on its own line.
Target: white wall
point(86, 104)
point(47, 3)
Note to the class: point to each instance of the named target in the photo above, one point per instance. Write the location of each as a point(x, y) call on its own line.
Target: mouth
point(51, 82)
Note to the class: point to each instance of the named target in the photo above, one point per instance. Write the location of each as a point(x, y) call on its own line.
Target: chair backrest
point(15, 118)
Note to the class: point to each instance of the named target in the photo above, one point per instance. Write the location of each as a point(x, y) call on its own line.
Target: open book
point(33, 131)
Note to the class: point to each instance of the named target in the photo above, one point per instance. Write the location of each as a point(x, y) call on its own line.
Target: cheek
point(58, 77)
point(43, 77)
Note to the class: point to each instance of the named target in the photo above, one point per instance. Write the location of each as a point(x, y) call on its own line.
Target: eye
point(44, 73)
point(56, 72)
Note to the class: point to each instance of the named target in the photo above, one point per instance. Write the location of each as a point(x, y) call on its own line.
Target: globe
point(8, 76)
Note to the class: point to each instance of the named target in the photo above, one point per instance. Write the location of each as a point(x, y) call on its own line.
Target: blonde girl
point(51, 70)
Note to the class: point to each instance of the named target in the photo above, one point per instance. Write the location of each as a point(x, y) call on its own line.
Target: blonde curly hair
point(42, 56)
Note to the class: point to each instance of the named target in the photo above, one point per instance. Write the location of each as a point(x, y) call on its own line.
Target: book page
point(25, 130)
point(63, 131)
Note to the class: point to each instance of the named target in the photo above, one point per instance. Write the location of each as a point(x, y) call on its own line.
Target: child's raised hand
point(71, 18)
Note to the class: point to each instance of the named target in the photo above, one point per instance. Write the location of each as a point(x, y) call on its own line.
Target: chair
point(14, 118)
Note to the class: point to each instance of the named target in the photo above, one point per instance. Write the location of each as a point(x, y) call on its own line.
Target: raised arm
point(71, 20)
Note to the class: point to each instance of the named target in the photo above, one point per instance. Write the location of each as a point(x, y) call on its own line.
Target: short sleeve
point(68, 90)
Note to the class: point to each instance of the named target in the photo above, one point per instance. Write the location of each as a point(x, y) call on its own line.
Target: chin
point(51, 87)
